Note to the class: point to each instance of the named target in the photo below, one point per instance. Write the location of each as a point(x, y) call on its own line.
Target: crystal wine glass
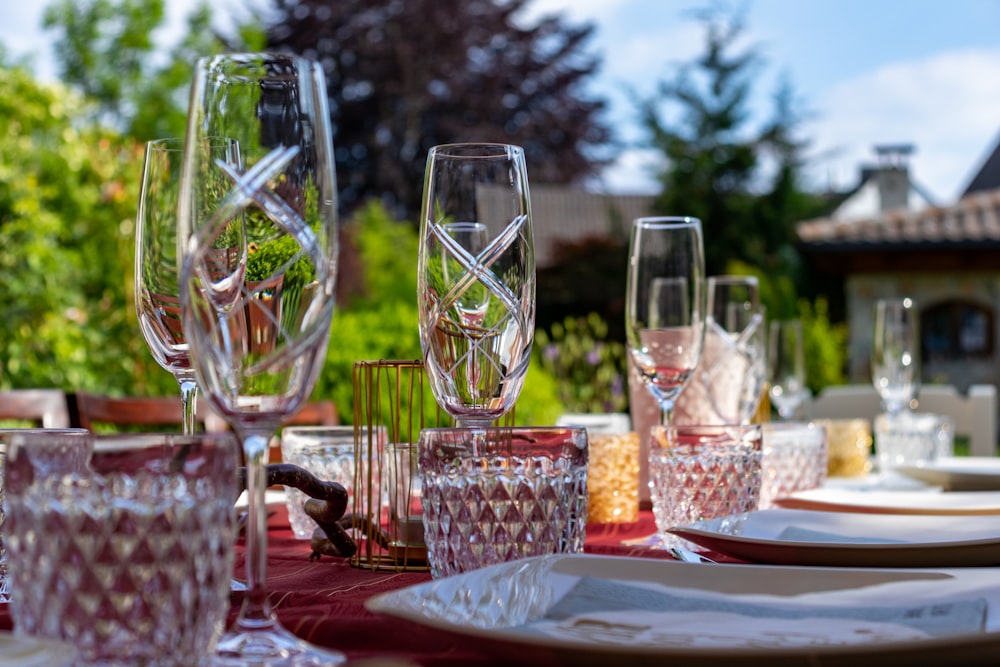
point(896, 353)
point(157, 293)
point(665, 304)
point(259, 268)
point(476, 279)
point(787, 367)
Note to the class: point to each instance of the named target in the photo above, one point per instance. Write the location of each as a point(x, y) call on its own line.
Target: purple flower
point(551, 352)
point(593, 357)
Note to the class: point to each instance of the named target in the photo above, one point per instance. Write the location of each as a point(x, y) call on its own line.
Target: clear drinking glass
point(476, 279)
point(157, 293)
point(787, 367)
point(701, 472)
point(499, 494)
point(726, 387)
point(123, 544)
point(259, 270)
point(665, 304)
point(896, 353)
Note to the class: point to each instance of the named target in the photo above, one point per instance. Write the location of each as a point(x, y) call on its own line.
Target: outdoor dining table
point(323, 601)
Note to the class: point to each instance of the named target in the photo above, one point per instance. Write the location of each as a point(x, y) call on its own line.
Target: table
point(323, 601)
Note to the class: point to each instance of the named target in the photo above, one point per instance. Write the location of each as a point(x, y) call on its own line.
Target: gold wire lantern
point(392, 404)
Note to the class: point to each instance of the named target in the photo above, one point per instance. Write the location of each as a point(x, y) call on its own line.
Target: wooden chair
point(974, 415)
point(47, 408)
point(162, 412)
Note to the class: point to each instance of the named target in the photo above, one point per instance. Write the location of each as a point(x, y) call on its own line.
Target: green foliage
point(105, 49)
point(265, 259)
point(589, 369)
point(67, 207)
point(825, 346)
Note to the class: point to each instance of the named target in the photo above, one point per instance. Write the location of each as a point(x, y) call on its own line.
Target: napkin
point(612, 612)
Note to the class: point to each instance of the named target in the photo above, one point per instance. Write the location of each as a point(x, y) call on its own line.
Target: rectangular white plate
point(803, 537)
point(503, 604)
point(958, 473)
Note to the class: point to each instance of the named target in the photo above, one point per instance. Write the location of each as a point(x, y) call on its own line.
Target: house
point(886, 244)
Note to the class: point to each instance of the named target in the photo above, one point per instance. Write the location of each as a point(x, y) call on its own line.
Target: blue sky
point(869, 71)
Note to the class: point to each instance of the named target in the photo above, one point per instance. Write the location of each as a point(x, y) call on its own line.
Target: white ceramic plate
point(894, 502)
point(505, 605)
point(18, 651)
point(802, 537)
point(273, 499)
point(958, 473)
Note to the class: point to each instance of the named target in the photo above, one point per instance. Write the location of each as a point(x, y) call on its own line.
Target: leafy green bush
point(68, 194)
point(590, 369)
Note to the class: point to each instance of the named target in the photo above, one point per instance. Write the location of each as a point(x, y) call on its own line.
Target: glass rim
point(476, 149)
point(731, 279)
point(666, 222)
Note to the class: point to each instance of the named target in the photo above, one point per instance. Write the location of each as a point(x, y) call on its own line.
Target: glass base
point(272, 646)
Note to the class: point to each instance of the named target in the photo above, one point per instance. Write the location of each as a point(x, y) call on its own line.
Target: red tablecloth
point(323, 601)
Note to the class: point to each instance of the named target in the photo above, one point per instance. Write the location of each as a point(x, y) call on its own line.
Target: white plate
point(18, 651)
point(958, 473)
point(503, 605)
point(894, 502)
point(802, 537)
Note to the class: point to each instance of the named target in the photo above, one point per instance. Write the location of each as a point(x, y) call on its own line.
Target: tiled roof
point(560, 214)
point(975, 219)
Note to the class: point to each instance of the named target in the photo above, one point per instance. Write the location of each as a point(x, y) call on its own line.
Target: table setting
point(398, 541)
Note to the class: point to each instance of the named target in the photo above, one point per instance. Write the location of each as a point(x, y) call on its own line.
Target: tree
point(743, 183)
point(106, 50)
point(404, 76)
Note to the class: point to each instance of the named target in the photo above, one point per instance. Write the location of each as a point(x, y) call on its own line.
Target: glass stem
point(189, 403)
point(666, 413)
point(256, 611)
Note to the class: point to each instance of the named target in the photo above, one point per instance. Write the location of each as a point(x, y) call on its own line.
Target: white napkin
point(611, 612)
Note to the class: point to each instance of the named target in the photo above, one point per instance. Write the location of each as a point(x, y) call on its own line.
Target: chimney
point(893, 175)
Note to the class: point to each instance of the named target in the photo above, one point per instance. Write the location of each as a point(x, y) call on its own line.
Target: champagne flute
point(476, 279)
point(257, 285)
point(665, 304)
point(787, 367)
point(157, 293)
point(896, 353)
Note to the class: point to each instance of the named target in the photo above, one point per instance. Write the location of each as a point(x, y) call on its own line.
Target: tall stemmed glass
point(665, 304)
point(258, 278)
point(896, 353)
point(157, 292)
point(787, 367)
point(476, 279)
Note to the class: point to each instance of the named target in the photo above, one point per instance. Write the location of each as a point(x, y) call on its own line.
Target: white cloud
point(946, 105)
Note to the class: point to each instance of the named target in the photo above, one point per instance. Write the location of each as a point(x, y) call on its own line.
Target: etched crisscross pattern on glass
point(127, 580)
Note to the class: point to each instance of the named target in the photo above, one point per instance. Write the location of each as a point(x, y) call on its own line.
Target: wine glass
point(896, 353)
point(157, 293)
point(665, 304)
point(257, 285)
point(726, 387)
point(787, 367)
point(476, 279)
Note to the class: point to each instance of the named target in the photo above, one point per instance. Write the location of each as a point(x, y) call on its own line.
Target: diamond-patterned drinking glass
point(703, 472)
point(129, 557)
point(70, 446)
point(795, 459)
point(500, 494)
point(327, 452)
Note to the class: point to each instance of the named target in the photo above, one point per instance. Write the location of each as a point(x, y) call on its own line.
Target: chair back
point(47, 408)
point(162, 412)
point(974, 414)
